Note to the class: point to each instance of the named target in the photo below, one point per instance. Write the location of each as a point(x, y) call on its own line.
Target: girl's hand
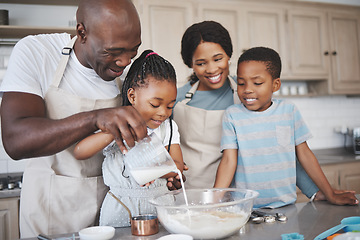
point(148, 184)
point(174, 183)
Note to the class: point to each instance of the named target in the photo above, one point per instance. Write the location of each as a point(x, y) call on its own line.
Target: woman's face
point(211, 65)
point(155, 101)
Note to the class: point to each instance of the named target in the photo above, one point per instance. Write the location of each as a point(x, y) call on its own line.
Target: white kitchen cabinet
point(265, 26)
point(332, 174)
point(325, 45)
point(344, 29)
point(249, 25)
point(350, 177)
point(318, 43)
point(308, 44)
point(163, 24)
point(9, 218)
point(228, 15)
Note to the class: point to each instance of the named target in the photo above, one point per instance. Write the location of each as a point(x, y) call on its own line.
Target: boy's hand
point(345, 198)
point(340, 197)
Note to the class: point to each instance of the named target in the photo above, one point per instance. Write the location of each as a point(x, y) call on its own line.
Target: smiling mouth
point(215, 79)
point(117, 72)
point(250, 100)
point(158, 122)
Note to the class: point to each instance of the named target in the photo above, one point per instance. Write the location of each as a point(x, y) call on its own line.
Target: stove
point(10, 184)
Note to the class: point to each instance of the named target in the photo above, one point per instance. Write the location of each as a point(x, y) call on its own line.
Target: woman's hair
point(266, 55)
point(206, 31)
point(148, 64)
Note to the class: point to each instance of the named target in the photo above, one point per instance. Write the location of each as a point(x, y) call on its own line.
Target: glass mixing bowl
point(210, 213)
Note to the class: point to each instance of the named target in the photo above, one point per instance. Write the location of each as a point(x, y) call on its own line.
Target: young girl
point(150, 87)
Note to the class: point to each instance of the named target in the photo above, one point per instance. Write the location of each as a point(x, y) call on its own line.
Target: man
point(52, 100)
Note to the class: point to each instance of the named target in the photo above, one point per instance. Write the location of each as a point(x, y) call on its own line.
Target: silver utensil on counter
point(259, 217)
point(280, 217)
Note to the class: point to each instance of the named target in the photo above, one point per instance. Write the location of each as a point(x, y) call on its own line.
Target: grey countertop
point(336, 155)
point(10, 193)
point(309, 219)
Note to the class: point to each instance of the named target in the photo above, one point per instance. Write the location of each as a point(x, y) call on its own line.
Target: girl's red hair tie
point(149, 54)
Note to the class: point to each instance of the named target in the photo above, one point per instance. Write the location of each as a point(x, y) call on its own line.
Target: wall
point(322, 114)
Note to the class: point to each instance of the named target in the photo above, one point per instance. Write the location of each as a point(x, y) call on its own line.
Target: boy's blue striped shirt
point(266, 149)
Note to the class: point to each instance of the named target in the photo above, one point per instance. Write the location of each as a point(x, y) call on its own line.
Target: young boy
point(262, 137)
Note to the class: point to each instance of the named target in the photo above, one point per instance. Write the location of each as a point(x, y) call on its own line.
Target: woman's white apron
point(61, 194)
point(200, 135)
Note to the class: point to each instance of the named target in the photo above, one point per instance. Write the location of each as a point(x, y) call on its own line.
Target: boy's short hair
point(266, 55)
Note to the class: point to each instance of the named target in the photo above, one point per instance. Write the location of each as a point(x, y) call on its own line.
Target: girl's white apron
point(61, 194)
point(200, 136)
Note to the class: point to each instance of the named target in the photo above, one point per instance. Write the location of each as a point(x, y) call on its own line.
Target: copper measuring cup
point(142, 225)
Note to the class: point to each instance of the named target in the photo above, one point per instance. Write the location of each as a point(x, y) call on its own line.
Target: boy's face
point(255, 85)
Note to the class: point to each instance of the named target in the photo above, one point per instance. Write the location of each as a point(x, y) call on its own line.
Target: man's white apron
point(61, 194)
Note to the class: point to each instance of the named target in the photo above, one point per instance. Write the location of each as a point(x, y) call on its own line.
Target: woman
point(206, 48)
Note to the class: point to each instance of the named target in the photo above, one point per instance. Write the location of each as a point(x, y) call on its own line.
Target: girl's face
point(154, 101)
point(211, 65)
point(255, 85)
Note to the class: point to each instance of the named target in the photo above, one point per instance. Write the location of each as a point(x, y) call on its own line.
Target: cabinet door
point(308, 43)
point(249, 25)
point(9, 218)
point(163, 24)
point(345, 52)
point(265, 26)
point(350, 177)
point(332, 174)
point(228, 16)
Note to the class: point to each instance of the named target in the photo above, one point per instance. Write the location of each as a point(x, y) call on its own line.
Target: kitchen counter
point(309, 219)
point(10, 193)
point(336, 155)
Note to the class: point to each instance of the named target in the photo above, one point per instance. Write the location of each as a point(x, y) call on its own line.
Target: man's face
point(110, 45)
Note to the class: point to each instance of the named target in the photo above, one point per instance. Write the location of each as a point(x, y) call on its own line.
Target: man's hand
point(124, 123)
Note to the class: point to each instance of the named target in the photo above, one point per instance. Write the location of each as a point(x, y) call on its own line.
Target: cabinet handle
point(334, 53)
point(326, 53)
